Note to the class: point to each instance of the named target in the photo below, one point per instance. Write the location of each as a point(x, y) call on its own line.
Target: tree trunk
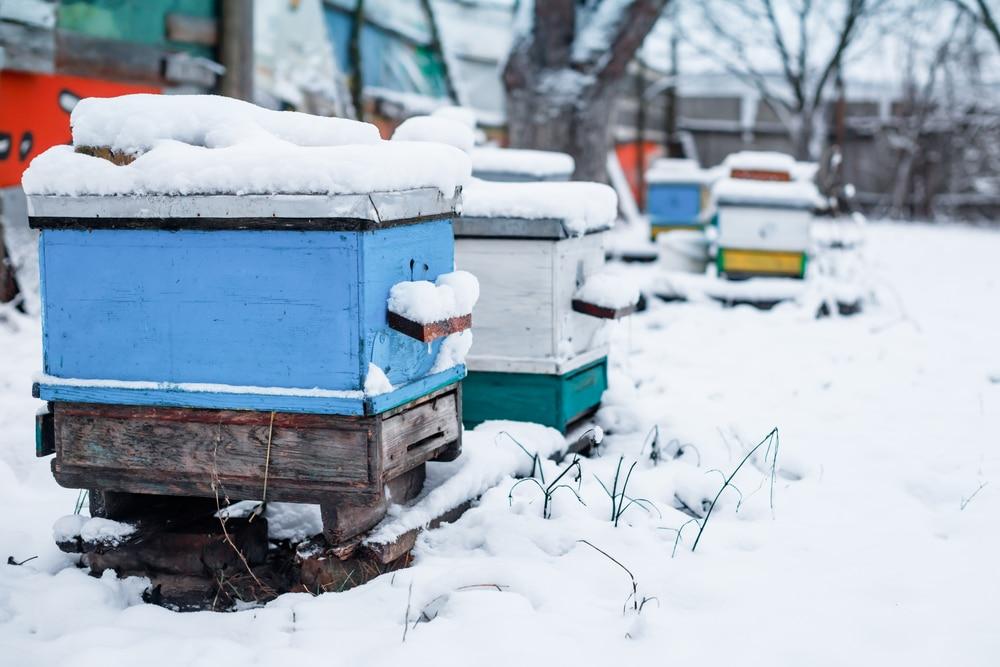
point(578, 124)
point(802, 138)
point(563, 100)
point(9, 289)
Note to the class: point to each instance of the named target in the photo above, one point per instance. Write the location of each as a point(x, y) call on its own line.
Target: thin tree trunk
point(354, 55)
point(236, 48)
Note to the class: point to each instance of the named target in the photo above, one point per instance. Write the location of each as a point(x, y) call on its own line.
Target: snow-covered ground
point(878, 549)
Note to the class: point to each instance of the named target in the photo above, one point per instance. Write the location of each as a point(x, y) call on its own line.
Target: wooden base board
point(551, 400)
point(342, 463)
point(195, 562)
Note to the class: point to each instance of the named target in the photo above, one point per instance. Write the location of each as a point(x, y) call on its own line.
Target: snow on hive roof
point(781, 194)
point(582, 207)
point(463, 115)
point(673, 170)
point(262, 166)
point(489, 159)
point(805, 171)
point(135, 123)
point(760, 161)
point(436, 129)
point(199, 144)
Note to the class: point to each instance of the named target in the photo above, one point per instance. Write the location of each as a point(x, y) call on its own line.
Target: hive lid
point(536, 210)
point(160, 146)
point(509, 164)
point(774, 194)
point(673, 170)
point(760, 160)
point(351, 212)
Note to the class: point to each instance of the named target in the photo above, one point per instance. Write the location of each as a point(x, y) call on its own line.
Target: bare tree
point(984, 14)
point(564, 73)
point(788, 51)
point(945, 137)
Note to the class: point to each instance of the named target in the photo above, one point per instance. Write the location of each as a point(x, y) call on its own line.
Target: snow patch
point(583, 207)
point(490, 454)
point(760, 161)
point(67, 528)
point(789, 194)
point(608, 291)
point(436, 129)
point(463, 115)
point(105, 531)
point(314, 392)
point(264, 165)
point(453, 351)
point(676, 170)
point(376, 381)
point(137, 123)
point(535, 164)
point(451, 295)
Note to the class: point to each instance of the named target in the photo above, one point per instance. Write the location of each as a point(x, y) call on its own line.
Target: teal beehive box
point(218, 275)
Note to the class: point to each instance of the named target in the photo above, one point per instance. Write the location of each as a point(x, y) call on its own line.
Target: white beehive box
point(533, 246)
point(764, 215)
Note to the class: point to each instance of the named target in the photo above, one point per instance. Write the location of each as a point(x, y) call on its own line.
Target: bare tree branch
point(854, 11)
point(794, 78)
point(987, 19)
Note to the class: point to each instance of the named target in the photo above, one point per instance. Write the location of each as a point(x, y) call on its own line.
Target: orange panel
point(34, 114)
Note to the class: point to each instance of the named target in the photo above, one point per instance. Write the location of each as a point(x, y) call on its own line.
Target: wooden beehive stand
point(196, 557)
point(171, 472)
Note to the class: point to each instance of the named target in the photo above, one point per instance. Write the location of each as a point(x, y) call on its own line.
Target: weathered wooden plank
point(761, 175)
point(344, 518)
point(515, 312)
point(109, 59)
point(428, 332)
point(171, 451)
point(27, 48)
point(603, 312)
point(192, 29)
point(415, 436)
point(576, 261)
point(234, 488)
point(402, 545)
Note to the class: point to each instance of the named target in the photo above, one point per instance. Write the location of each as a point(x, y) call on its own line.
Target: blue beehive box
point(267, 307)
point(677, 196)
point(235, 296)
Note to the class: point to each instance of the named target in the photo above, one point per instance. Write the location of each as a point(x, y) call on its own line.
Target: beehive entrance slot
point(425, 441)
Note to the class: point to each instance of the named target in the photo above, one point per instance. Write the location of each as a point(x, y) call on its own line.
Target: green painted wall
point(144, 22)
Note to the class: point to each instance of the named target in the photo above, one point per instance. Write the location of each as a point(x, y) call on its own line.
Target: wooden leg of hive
point(345, 517)
point(451, 452)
